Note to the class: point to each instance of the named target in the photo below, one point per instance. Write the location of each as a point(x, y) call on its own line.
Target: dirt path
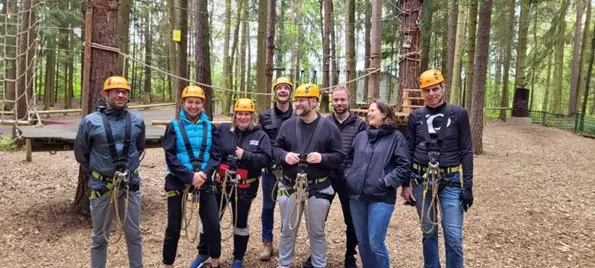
point(534, 207)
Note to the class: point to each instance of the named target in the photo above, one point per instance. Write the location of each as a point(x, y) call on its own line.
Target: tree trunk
point(334, 64)
point(479, 83)
point(456, 67)
point(234, 60)
point(584, 51)
point(70, 70)
point(375, 52)
point(280, 42)
point(261, 104)
point(104, 32)
point(471, 32)
point(27, 51)
point(453, 15)
point(125, 6)
point(409, 66)
point(521, 56)
point(534, 71)
point(50, 73)
point(270, 49)
point(173, 68)
point(588, 82)
point(182, 50)
point(296, 54)
point(426, 33)
point(203, 54)
point(497, 77)
point(367, 47)
point(326, 53)
point(245, 61)
point(508, 35)
point(11, 52)
point(148, 57)
point(350, 51)
point(559, 65)
point(226, 101)
point(574, 82)
point(546, 96)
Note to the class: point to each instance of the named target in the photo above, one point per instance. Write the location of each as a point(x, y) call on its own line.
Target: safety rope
point(233, 178)
point(195, 206)
point(434, 212)
point(118, 179)
point(301, 201)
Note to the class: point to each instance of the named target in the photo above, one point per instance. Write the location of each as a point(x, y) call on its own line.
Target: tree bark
point(182, 50)
point(260, 56)
point(27, 51)
point(456, 74)
point(375, 50)
point(546, 96)
point(508, 35)
point(233, 60)
point(173, 68)
point(479, 82)
point(426, 33)
point(125, 6)
point(148, 57)
point(471, 32)
point(203, 53)
point(584, 50)
point(534, 71)
point(559, 65)
point(350, 51)
point(270, 49)
point(521, 57)
point(280, 38)
point(326, 51)
point(226, 101)
point(588, 82)
point(367, 47)
point(11, 52)
point(245, 61)
point(453, 15)
point(104, 64)
point(50, 70)
point(409, 65)
point(574, 79)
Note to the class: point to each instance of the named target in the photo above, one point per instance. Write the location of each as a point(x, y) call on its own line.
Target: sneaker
point(308, 263)
point(350, 262)
point(199, 261)
point(267, 251)
point(237, 264)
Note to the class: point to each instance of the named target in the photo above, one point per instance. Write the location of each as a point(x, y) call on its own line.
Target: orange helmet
point(429, 78)
point(244, 105)
point(193, 91)
point(282, 80)
point(307, 90)
point(114, 82)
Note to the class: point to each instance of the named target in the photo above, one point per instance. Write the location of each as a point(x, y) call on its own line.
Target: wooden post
point(28, 149)
point(87, 60)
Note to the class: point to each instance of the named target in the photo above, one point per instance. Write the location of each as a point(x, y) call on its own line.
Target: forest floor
point(534, 207)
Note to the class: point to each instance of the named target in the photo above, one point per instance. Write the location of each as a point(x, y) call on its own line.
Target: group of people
point(302, 160)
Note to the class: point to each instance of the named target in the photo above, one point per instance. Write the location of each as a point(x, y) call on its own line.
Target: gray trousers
point(317, 211)
point(99, 210)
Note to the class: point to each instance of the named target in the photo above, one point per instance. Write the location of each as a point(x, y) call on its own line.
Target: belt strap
point(103, 178)
point(443, 170)
point(316, 181)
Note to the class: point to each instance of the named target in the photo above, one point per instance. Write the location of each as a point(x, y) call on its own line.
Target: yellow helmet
point(193, 91)
point(114, 82)
point(244, 105)
point(430, 77)
point(282, 80)
point(307, 90)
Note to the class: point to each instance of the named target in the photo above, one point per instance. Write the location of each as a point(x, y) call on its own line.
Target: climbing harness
point(300, 189)
point(194, 208)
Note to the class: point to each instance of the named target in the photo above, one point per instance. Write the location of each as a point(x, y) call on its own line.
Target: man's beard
point(341, 110)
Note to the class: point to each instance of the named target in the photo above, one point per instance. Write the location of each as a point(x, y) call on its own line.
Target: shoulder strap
point(110, 139)
point(273, 118)
point(203, 145)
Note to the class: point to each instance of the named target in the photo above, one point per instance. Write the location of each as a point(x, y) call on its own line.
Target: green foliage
point(7, 144)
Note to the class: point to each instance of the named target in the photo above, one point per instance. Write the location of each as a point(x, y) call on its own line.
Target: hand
point(466, 199)
point(314, 158)
point(199, 179)
point(407, 194)
point(239, 152)
point(292, 158)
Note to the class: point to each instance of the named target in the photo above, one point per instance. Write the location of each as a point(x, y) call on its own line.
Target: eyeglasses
point(120, 91)
point(433, 89)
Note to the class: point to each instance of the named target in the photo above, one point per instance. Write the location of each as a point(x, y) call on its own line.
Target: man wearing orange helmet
point(245, 151)
point(270, 121)
point(191, 145)
point(439, 140)
point(108, 146)
point(309, 148)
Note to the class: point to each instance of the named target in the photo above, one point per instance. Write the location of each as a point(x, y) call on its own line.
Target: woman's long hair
point(385, 108)
point(253, 124)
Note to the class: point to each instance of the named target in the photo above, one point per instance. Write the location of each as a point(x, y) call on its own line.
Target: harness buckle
point(196, 165)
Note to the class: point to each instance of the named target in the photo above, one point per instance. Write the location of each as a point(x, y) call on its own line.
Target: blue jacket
point(377, 164)
point(92, 151)
point(177, 157)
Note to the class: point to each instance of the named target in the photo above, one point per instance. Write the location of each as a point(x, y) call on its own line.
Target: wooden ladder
point(412, 99)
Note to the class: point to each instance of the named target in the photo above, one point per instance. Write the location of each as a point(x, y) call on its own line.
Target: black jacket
point(349, 129)
point(377, 165)
point(457, 147)
point(328, 144)
point(268, 124)
point(178, 173)
point(256, 145)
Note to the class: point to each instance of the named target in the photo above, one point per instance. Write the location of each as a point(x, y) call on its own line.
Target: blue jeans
point(268, 205)
point(370, 220)
point(452, 225)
